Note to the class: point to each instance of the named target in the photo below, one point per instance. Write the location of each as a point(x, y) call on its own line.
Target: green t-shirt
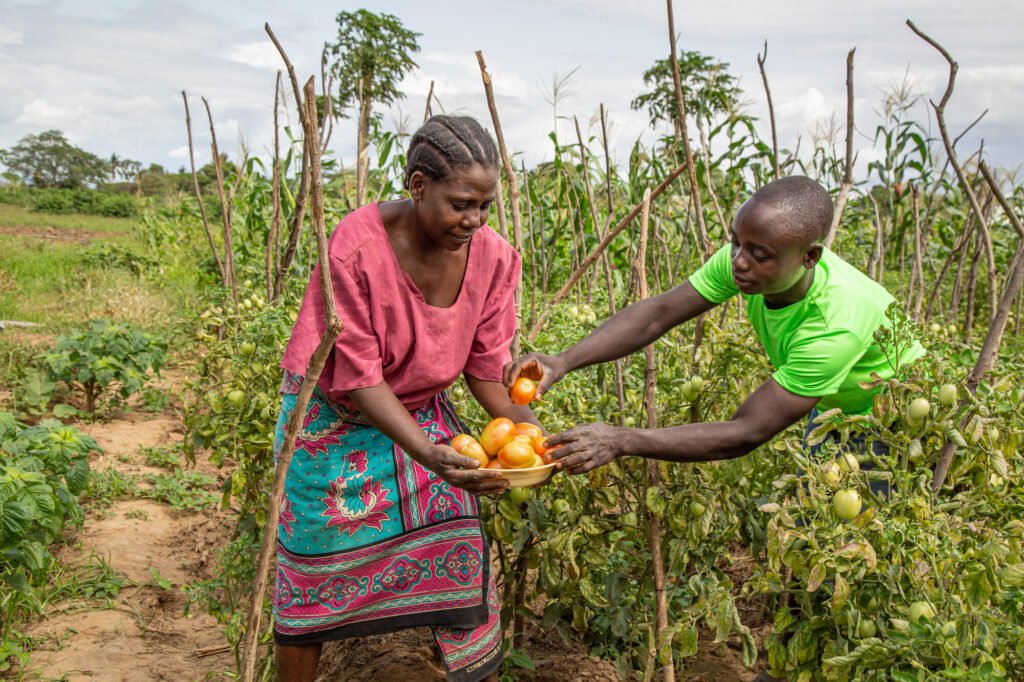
point(822, 345)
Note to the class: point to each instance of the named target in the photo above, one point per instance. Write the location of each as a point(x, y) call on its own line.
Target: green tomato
point(248, 349)
point(872, 604)
point(846, 504)
point(697, 383)
point(560, 507)
point(866, 629)
point(993, 435)
point(848, 462)
point(690, 393)
point(919, 409)
point(519, 495)
point(236, 398)
point(921, 610)
point(947, 395)
point(949, 630)
point(629, 422)
point(696, 509)
point(935, 327)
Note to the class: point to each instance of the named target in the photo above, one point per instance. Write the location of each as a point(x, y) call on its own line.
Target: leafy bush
point(92, 202)
point(43, 470)
point(105, 357)
point(117, 256)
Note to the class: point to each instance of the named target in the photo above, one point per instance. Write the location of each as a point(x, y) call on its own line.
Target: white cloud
point(260, 55)
point(10, 36)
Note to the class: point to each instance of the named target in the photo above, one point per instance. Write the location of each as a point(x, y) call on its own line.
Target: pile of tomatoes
point(505, 445)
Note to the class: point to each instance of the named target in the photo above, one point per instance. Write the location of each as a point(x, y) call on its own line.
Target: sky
point(109, 73)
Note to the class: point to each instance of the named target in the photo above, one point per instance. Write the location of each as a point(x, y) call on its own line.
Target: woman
point(379, 524)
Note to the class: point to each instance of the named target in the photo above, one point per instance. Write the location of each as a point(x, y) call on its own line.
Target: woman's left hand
point(586, 447)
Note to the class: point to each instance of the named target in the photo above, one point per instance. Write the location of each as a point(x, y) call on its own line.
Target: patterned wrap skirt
point(370, 542)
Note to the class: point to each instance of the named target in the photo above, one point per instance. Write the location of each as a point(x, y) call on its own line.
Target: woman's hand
point(547, 370)
point(461, 471)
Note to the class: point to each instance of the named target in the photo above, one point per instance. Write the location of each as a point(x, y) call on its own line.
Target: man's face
point(768, 257)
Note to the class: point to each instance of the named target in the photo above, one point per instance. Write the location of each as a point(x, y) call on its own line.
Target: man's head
point(777, 234)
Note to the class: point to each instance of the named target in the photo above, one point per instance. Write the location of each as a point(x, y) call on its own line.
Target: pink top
point(390, 333)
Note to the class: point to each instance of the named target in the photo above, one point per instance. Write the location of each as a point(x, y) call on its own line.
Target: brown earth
point(59, 234)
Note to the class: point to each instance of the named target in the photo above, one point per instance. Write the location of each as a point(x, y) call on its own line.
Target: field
point(138, 409)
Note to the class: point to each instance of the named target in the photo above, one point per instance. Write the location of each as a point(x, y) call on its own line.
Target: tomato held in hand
point(460, 442)
point(523, 391)
point(476, 451)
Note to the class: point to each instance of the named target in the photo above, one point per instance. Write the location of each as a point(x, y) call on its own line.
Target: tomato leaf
point(840, 593)
point(817, 576)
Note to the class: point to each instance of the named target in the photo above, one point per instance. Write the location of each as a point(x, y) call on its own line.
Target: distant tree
point(707, 85)
point(371, 55)
point(49, 160)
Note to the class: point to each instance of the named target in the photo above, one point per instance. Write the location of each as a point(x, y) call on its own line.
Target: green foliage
point(371, 54)
point(117, 256)
point(86, 201)
point(49, 160)
point(43, 471)
point(185, 489)
point(105, 358)
point(708, 88)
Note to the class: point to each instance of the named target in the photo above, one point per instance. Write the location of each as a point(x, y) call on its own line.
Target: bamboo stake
point(653, 475)
point(990, 348)
point(917, 285)
point(681, 106)
point(427, 113)
point(332, 323)
point(199, 196)
point(513, 195)
point(599, 249)
point(299, 215)
point(847, 183)
point(274, 234)
point(225, 207)
point(771, 110)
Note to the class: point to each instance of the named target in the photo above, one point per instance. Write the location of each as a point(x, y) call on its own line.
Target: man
point(814, 314)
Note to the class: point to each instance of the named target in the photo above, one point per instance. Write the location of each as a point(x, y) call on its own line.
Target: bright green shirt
point(822, 345)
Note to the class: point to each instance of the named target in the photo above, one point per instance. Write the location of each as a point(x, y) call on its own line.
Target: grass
point(49, 282)
point(20, 216)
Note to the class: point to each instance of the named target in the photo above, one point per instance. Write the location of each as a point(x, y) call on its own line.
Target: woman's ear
point(416, 183)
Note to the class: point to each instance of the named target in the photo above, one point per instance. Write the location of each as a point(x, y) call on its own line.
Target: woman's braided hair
point(445, 143)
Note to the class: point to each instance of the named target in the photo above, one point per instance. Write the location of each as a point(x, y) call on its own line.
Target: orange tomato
point(538, 443)
point(495, 464)
point(517, 455)
point(531, 430)
point(523, 391)
point(476, 451)
point(461, 441)
point(538, 461)
point(497, 434)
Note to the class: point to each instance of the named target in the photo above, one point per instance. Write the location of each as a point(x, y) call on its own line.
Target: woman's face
point(449, 211)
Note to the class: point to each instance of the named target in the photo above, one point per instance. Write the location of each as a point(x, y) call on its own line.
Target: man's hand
point(547, 370)
point(587, 447)
point(461, 471)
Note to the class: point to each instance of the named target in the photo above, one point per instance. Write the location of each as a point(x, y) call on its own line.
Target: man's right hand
point(546, 370)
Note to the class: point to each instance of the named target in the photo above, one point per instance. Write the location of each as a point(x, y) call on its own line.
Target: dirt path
point(143, 635)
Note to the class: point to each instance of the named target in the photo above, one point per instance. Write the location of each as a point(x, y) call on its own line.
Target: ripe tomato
point(497, 434)
point(460, 442)
point(538, 445)
point(476, 451)
point(846, 504)
point(495, 464)
point(921, 610)
point(523, 391)
point(517, 455)
point(531, 430)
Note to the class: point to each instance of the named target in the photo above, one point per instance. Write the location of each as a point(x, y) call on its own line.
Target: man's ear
point(812, 255)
